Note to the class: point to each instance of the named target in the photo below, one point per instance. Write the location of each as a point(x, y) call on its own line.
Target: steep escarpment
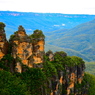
point(22, 48)
point(27, 50)
point(3, 41)
point(44, 73)
point(38, 46)
point(70, 71)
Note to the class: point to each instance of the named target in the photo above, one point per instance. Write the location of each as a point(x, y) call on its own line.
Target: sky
point(49, 6)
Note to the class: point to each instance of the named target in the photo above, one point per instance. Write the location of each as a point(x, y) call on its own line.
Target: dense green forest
point(29, 84)
point(33, 80)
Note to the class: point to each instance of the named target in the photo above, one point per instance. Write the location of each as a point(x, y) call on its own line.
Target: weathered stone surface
point(50, 55)
point(22, 48)
point(38, 46)
point(3, 41)
point(29, 51)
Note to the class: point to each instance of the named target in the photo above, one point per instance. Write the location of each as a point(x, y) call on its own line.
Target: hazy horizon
point(49, 6)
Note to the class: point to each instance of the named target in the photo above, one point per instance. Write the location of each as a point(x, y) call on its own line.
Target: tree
point(34, 78)
point(11, 85)
point(90, 80)
point(2, 25)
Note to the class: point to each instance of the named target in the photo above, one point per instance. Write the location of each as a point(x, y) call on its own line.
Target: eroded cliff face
point(67, 82)
point(75, 75)
point(22, 49)
point(3, 41)
point(29, 51)
point(67, 79)
point(38, 47)
point(38, 50)
point(62, 85)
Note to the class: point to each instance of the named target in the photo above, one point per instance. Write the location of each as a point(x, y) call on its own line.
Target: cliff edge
point(64, 73)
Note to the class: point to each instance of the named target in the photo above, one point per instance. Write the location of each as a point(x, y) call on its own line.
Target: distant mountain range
point(80, 38)
point(47, 22)
point(72, 33)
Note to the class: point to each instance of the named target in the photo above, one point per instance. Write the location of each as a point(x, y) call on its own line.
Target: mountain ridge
point(48, 20)
point(55, 26)
point(80, 38)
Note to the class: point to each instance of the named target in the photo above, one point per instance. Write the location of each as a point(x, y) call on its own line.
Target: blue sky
point(50, 6)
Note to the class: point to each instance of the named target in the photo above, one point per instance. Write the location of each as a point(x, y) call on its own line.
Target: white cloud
point(63, 24)
point(56, 25)
point(55, 6)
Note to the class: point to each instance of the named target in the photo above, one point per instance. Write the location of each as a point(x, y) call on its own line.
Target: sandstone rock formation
point(29, 51)
point(38, 46)
point(21, 49)
point(67, 78)
point(3, 41)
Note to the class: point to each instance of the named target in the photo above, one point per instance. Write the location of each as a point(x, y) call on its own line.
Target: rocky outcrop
point(22, 49)
point(3, 41)
point(66, 82)
point(38, 47)
point(72, 74)
point(28, 51)
point(50, 55)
